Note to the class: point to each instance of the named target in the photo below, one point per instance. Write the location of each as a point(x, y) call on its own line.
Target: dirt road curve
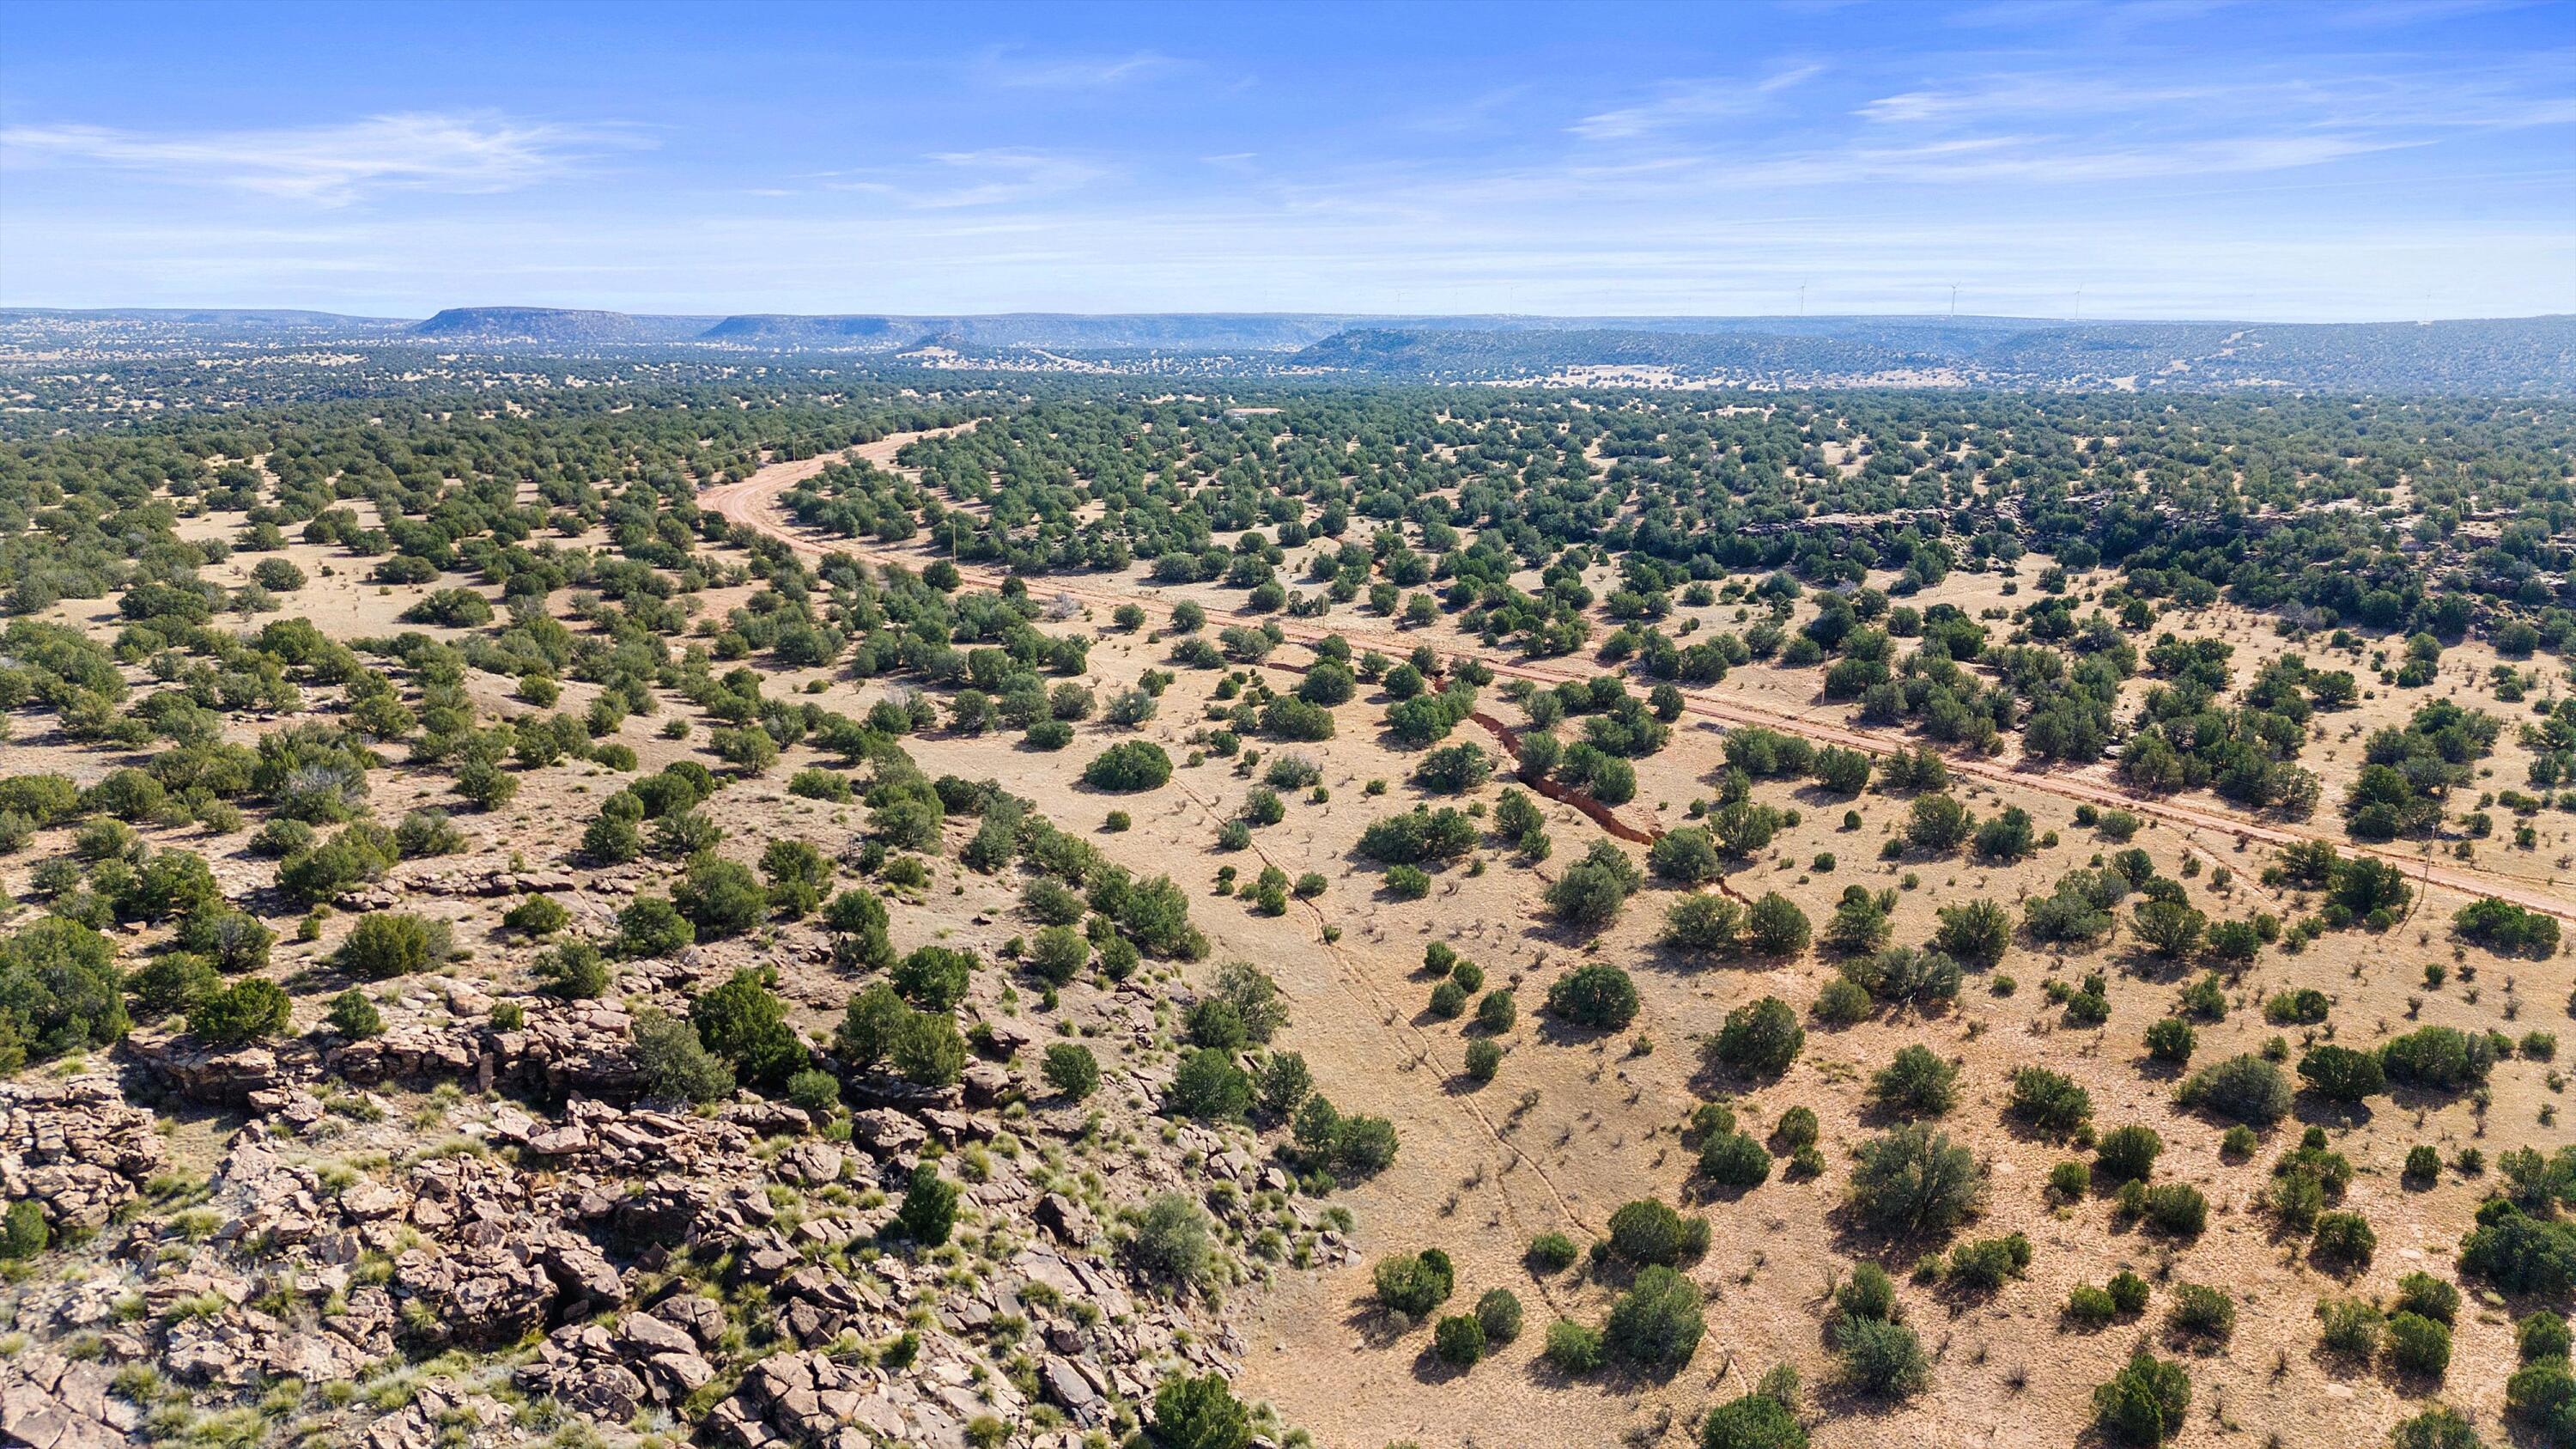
point(752, 503)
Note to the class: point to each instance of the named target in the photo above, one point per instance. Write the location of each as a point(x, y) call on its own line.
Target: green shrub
point(1413, 1284)
point(2541, 1335)
point(1459, 1340)
point(1881, 1357)
point(1867, 1293)
point(815, 1092)
point(352, 1015)
point(2072, 1181)
point(1172, 1243)
point(2438, 1057)
point(1071, 1069)
point(574, 970)
point(2424, 1294)
point(1915, 1180)
point(1499, 1314)
point(674, 1063)
point(1916, 1082)
point(246, 1011)
point(1648, 1231)
point(2128, 1154)
point(23, 1231)
point(2176, 1208)
point(820, 784)
point(2128, 1292)
point(1209, 1087)
point(2345, 1240)
point(929, 1211)
point(1128, 766)
point(2350, 1326)
point(1197, 1413)
point(1572, 1347)
point(1552, 1252)
point(1759, 1039)
point(2519, 1253)
point(1484, 1059)
point(390, 944)
point(2200, 1311)
point(744, 1022)
point(1755, 1421)
point(2145, 1403)
point(1733, 1159)
point(652, 926)
point(2089, 1307)
point(2436, 1428)
point(1985, 1264)
point(2049, 1100)
point(537, 915)
point(2246, 1088)
point(1598, 995)
point(1658, 1322)
point(2542, 1396)
point(2418, 1345)
point(2171, 1040)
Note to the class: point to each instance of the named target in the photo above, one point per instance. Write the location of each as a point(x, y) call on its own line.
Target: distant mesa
point(769, 328)
point(557, 325)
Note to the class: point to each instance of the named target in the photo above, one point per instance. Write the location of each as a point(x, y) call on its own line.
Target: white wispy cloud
point(1018, 72)
point(330, 165)
point(1691, 102)
point(950, 180)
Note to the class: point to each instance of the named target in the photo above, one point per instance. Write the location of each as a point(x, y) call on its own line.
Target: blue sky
point(2396, 159)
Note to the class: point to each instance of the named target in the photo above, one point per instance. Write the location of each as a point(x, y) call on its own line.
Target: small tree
point(1071, 1069)
point(354, 1016)
point(1459, 1340)
point(1648, 1231)
point(390, 944)
point(2144, 1403)
point(745, 1023)
point(1284, 1085)
point(1597, 995)
point(24, 1232)
point(1198, 1413)
point(246, 1011)
point(1915, 1180)
point(2128, 1154)
point(1916, 1083)
point(1759, 1039)
point(1412, 1284)
point(674, 1063)
point(1658, 1323)
point(929, 1211)
point(1881, 1356)
point(1755, 1421)
point(1208, 1087)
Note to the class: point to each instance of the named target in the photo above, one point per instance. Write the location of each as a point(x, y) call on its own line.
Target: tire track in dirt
point(749, 503)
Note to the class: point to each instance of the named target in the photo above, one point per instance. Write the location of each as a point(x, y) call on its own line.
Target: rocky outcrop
point(347, 1223)
point(50, 1402)
point(75, 1148)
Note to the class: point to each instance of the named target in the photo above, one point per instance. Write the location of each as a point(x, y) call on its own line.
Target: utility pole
point(1954, 299)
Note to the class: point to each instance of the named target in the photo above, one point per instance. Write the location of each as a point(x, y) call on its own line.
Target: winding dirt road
point(753, 504)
